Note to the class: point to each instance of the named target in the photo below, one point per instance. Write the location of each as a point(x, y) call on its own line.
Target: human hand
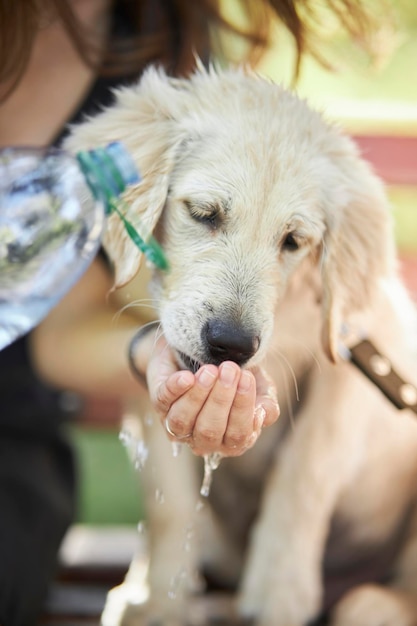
point(218, 409)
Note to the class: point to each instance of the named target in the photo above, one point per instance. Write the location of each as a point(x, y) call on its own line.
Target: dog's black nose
point(227, 341)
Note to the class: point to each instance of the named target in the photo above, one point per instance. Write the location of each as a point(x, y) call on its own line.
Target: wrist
point(140, 349)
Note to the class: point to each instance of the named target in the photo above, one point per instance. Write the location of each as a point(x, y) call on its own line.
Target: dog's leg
point(168, 479)
point(282, 581)
point(392, 605)
point(171, 494)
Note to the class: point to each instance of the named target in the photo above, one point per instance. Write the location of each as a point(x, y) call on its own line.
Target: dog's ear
point(358, 248)
point(145, 118)
point(144, 203)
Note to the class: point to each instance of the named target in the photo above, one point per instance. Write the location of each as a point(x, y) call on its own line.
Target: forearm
point(90, 357)
point(83, 345)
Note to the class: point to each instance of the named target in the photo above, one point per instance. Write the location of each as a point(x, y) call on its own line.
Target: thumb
point(165, 382)
point(266, 396)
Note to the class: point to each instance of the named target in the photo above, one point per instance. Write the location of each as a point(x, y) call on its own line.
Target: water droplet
point(176, 583)
point(125, 437)
point(141, 454)
point(189, 534)
point(137, 448)
point(211, 463)
point(199, 506)
point(176, 448)
point(141, 527)
point(159, 496)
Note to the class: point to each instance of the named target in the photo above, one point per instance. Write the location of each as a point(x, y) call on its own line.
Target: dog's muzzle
point(228, 341)
point(221, 341)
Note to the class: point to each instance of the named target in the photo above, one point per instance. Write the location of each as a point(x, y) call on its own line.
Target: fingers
point(223, 422)
point(165, 382)
point(170, 390)
point(218, 409)
point(183, 413)
point(221, 412)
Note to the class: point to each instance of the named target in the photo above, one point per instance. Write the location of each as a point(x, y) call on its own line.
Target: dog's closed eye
point(207, 214)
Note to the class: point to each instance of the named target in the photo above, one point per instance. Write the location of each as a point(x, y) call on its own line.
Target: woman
point(59, 60)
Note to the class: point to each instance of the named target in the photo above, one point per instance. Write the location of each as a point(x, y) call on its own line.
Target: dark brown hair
point(165, 29)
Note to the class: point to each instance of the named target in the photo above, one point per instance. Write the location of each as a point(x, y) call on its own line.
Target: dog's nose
point(227, 341)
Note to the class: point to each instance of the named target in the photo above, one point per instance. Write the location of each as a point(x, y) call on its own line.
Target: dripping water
point(211, 463)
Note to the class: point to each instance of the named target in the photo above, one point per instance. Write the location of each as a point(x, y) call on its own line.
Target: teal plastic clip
point(151, 248)
point(107, 182)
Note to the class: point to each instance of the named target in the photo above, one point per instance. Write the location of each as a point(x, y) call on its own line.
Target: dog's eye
point(290, 243)
point(209, 220)
point(208, 216)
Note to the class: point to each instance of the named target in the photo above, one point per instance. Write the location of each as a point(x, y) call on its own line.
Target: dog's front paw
point(374, 605)
point(130, 605)
point(275, 612)
point(283, 597)
point(147, 615)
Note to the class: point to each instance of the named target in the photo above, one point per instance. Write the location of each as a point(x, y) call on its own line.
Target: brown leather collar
point(378, 368)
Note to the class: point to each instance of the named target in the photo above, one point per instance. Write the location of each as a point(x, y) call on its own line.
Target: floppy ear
point(145, 119)
point(358, 249)
point(145, 202)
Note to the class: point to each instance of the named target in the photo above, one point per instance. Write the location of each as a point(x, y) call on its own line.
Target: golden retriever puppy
point(280, 247)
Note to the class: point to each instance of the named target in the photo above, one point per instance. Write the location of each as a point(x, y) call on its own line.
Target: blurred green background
point(109, 487)
point(363, 97)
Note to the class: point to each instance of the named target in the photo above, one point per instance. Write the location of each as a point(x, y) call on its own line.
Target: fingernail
point(206, 377)
point(184, 380)
point(227, 374)
point(244, 382)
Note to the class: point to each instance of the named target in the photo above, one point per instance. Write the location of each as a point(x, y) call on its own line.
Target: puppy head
point(242, 183)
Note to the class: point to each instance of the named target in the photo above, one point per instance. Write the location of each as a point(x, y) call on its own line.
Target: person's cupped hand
point(218, 409)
